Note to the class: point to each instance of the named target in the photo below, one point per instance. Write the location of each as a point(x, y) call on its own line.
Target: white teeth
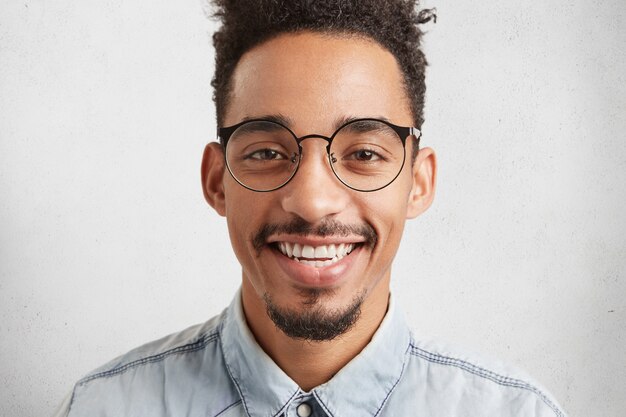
point(308, 252)
point(297, 250)
point(314, 255)
point(321, 252)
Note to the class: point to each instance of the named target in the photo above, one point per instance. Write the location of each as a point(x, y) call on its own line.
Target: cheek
point(240, 221)
point(388, 206)
point(246, 213)
point(237, 240)
point(387, 210)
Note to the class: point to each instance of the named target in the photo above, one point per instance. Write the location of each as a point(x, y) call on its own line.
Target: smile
point(316, 256)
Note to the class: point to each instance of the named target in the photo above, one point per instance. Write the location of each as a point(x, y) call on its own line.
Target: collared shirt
point(218, 369)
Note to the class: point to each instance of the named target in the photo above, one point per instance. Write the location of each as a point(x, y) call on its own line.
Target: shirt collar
point(359, 388)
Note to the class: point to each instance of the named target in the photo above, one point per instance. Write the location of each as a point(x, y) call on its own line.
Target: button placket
point(304, 410)
point(304, 405)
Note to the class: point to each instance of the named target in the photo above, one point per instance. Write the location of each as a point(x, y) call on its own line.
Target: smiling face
point(315, 249)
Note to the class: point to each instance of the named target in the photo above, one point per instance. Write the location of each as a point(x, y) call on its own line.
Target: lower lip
point(310, 276)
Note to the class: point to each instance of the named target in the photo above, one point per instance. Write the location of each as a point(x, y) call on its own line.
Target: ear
point(212, 176)
point(422, 193)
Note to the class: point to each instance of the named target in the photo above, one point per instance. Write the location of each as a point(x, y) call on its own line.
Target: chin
point(314, 319)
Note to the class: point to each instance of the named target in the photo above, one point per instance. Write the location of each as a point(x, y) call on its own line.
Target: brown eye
point(365, 155)
point(265, 155)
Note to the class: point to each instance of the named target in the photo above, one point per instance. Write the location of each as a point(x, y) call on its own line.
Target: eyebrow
point(288, 122)
point(276, 118)
point(347, 119)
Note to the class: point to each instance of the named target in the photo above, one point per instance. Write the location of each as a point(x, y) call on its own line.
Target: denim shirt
point(218, 369)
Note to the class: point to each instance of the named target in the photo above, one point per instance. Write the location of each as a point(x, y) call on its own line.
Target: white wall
point(106, 242)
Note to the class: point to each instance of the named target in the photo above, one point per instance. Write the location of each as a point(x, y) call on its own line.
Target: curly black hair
point(392, 23)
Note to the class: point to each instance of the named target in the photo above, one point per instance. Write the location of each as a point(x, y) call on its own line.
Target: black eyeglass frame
point(403, 132)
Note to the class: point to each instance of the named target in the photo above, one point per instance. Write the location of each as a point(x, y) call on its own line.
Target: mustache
point(300, 227)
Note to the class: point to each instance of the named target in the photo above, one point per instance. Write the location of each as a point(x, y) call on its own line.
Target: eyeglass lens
point(365, 155)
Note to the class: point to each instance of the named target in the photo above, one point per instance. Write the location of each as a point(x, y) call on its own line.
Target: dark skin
point(316, 80)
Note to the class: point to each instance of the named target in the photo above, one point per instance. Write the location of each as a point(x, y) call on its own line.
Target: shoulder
point(461, 381)
point(192, 339)
point(158, 376)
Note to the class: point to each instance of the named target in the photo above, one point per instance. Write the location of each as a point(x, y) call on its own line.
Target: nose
point(315, 192)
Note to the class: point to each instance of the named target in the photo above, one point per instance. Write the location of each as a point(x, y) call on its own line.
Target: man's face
point(315, 81)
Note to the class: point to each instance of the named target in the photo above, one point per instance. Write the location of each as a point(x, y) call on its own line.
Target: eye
point(265, 155)
point(365, 155)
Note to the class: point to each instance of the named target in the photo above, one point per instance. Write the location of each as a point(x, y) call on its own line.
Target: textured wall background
point(106, 241)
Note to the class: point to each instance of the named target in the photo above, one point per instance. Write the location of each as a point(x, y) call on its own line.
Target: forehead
point(315, 79)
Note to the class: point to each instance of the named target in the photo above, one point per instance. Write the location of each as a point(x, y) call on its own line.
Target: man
point(319, 106)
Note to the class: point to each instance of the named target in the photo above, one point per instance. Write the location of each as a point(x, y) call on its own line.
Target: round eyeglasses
point(364, 154)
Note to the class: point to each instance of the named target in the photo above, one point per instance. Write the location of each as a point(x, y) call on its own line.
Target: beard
point(314, 322)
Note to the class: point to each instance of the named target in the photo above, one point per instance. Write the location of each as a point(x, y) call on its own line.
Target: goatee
point(314, 322)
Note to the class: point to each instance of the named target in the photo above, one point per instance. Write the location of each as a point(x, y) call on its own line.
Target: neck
point(312, 363)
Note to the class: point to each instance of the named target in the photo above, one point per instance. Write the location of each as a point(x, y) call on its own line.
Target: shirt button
point(303, 410)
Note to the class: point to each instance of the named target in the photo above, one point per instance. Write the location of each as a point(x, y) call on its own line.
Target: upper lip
point(316, 240)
